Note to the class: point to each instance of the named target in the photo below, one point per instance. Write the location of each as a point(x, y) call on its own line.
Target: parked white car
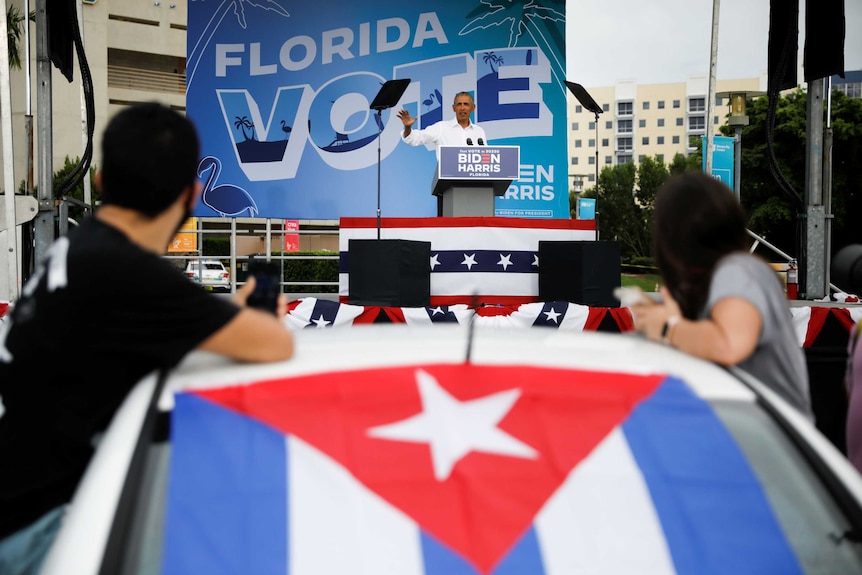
point(210, 273)
point(392, 449)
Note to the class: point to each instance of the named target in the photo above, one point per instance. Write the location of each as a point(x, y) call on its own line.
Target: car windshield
point(812, 521)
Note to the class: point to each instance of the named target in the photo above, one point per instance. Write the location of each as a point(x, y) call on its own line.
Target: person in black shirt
point(103, 310)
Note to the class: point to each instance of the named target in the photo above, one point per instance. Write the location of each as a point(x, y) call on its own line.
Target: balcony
point(146, 80)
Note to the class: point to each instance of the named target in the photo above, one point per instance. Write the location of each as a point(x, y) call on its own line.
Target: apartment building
point(643, 120)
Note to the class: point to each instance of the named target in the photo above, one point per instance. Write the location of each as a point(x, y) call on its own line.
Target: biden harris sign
point(280, 92)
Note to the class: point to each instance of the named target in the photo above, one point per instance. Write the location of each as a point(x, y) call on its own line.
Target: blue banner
point(280, 92)
point(586, 208)
point(722, 159)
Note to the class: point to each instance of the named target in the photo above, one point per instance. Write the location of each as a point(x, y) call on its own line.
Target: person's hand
point(650, 317)
point(406, 118)
point(240, 298)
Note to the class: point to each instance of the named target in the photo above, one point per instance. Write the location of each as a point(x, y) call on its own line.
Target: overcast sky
point(658, 41)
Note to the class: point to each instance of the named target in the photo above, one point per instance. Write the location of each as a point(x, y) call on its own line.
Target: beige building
point(643, 120)
point(135, 52)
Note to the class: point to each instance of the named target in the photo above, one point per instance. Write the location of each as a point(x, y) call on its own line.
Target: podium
point(468, 178)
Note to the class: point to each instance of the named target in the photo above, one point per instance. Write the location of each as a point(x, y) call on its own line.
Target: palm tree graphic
point(524, 17)
point(219, 14)
point(490, 58)
point(242, 124)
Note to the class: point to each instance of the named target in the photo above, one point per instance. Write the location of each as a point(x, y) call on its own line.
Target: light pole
point(587, 102)
point(737, 120)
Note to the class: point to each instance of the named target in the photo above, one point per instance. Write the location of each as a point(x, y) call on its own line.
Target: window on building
point(578, 143)
point(676, 103)
point(624, 144)
point(591, 160)
point(679, 121)
point(574, 161)
point(604, 142)
point(659, 158)
point(606, 107)
point(675, 139)
point(624, 126)
point(851, 89)
point(592, 125)
point(696, 104)
point(609, 159)
point(715, 120)
point(660, 140)
point(625, 159)
point(609, 125)
point(641, 157)
point(661, 122)
point(645, 140)
point(646, 105)
point(641, 123)
point(591, 178)
point(592, 143)
point(718, 100)
point(579, 109)
point(145, 71)
point(696, 123)
point(625, 109)
point(661, 104)
point(574, 126)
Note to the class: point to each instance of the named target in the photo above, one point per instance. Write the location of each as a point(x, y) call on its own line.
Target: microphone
point(469, 142)
point(481, 142)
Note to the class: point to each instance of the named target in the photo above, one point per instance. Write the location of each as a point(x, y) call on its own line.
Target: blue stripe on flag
point(227, 474)
point(711, 505)
point(524, 557)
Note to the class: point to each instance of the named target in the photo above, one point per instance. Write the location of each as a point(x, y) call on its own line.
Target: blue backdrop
point(280, 92)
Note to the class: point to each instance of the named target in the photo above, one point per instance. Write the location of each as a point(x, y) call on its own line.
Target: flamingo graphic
point(226, 199)
point(286, 129)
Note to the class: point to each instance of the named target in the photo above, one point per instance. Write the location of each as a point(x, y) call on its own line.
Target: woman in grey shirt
point(720, 302)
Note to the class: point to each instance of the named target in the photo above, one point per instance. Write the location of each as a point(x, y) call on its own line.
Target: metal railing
point(272, 232)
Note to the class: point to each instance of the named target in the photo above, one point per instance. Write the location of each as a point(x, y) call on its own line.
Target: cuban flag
point(497, 258)
point(462, 469)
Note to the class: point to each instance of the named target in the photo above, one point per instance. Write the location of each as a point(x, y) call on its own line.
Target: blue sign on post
point(586, 208)
point(722, 159)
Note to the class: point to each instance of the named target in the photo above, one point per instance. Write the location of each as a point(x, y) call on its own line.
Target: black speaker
point(579, 272)
point(390, 273)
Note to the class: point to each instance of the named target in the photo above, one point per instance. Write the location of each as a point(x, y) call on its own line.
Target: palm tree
point(14, 18)
point(242, 124)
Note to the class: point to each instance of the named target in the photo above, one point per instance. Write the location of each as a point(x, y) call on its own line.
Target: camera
point(267, 288)
point(846, 269)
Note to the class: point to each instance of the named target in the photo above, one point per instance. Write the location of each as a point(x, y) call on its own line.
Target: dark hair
point(468, 94)
point(697, 220)
point(150, 155)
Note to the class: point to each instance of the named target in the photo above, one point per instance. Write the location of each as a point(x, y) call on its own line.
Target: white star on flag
point(320, 322)
point(437, 310)
point(552, 315)
point(469, 261)
point(536, 260)
point(454, 428)
point(434, 261)
point(505, 261)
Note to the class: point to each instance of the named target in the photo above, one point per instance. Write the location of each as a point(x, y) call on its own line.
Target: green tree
point(620, 218)
point(75, 212)
point(14, 29)
point(775, 213)
point(682, 164)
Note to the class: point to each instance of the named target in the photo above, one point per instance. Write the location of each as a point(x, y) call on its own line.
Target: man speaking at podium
point(459, 131)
